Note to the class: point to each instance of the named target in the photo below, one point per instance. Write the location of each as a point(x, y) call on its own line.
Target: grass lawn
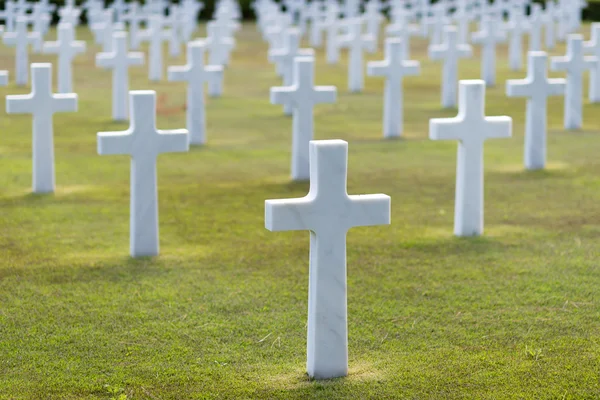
point(221, 313)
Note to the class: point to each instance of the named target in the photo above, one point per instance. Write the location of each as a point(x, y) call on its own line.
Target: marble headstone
point(394, 68)
point(328, 212)
point(119, 60)
point(41, 103)
point(471, 128)
point(450, 51)
point(536, 87)
point(21, 39)
point(302, 96)
point(143, 142)
point(575, 64)
point(196, 74)
point(67, 48)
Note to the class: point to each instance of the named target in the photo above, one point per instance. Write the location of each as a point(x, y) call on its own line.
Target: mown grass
point(221, 312)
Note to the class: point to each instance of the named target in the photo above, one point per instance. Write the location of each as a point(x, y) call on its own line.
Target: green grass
point(221, 312)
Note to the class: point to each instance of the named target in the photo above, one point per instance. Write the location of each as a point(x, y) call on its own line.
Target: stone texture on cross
point(593, 47)
point(143, 142)
point(328, 212)
point(42, 104)
point(302, 96)
point(67, 48)
point(357, 43)
point(471, 128)
point(119, 60)
point(450, 51)
point(21, 39)
point(575, 64)
point(196, 74)
point(536, 87)
point(394, 68)
point(489, 36)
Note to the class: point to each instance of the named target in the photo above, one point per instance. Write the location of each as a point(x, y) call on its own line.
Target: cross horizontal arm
point(411, 67)
point(283, 95)
point(519, 88)
point(325, 94)
point(437, 52)
point(180, 73)
point(64, 102)
point(447, 128)
point(556, 86)
point(370, 209)
point(9, 38)
point(378, 68)
point(497, 127)
point(288, 214)
point(19, 104)
point(51, 48)
point(115, 142)
point(213, 72)
point(560, 63)
point(106, 60)
point(135, 58)
point(173, 141)
point(79, 46)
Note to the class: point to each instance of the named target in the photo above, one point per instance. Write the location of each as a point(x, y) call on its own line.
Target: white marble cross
point(471, 128)
point(144, 143)
point(535, 28)
point(593, 47)
point(285, 57)
point(356, 43)
point(9, 15)
point(42, 104)
point(20, 39)
point(219, 49)
point(41, 19)
point(119, 60)
point(196, 74)
point(394, 68)
point(302, 96)
point(67, 48)
point(575, 64)
point(450, 51)
point(134, 17)
point(536, 87)
point(172, 34)
point(518, 24)
point(373, 19)
point(155, 52)
point(489, 36)
point(332, 28)
point(547, 19)
point(317, 15)
point(219, 43)
point(120, 7)
point(328, 212)
point(403, 30)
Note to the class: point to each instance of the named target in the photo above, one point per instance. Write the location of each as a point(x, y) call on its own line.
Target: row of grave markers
point(328, 212)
